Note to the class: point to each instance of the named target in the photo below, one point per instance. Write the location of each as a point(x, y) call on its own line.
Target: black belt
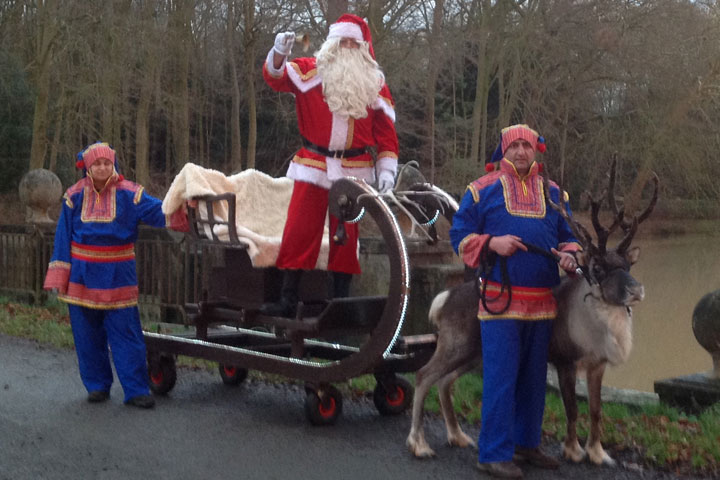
point(352, 152)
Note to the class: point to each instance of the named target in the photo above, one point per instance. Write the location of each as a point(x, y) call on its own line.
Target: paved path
point(206, 430)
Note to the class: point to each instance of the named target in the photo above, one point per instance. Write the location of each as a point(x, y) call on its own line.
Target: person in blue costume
point(93, 270)
point(498, 212)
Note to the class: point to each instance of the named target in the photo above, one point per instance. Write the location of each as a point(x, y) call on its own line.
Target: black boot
point(287, 305)
point(341, 284)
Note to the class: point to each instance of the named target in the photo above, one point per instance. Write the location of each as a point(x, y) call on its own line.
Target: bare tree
point(44, 15)
point(235, 141)
point(181, 15)
point(434, 65)
point(250, 55)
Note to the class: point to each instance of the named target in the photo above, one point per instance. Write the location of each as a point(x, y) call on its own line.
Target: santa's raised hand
point(284, 42)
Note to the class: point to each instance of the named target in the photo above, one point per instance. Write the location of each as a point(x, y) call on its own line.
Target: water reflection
point(677, 271)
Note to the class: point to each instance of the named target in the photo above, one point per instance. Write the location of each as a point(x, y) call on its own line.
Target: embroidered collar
point(508, 167)
point(524, 196)
point(113, 179)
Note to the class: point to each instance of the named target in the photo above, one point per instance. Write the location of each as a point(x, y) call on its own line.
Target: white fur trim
point(346, 30)
point(382, 104)
point(307, 174)
point(270, 64)
point(302, 85)
point(338, 132)
point(335, 171)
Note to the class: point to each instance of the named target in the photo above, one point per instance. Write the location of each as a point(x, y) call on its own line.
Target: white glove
point(386, 181)
point(284, 43)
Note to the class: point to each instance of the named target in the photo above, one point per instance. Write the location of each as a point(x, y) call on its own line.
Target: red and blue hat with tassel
point(509, 135)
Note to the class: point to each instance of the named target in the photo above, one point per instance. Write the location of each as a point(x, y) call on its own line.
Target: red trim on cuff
point(470, 248)
point(178, 220)
point(57, 277)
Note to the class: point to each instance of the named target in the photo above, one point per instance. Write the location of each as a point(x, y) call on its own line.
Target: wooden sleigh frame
point(329, 340)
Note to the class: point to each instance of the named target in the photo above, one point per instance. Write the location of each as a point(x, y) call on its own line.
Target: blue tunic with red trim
point(93, 261)
point(502, 203)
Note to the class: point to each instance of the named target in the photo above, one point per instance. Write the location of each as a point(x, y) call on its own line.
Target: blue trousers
point(514, 377)
point(93, 330)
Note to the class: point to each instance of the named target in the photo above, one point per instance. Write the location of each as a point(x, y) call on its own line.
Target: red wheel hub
point(396, 398)
point(329, 411)
point(230, 371)
point(157, 378)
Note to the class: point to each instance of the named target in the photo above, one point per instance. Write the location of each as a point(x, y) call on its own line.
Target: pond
point(677, 271)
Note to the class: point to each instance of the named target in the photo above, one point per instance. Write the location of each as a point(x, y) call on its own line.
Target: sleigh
point(328, 340)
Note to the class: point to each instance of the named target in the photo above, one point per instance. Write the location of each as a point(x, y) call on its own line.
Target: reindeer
point(593, 328)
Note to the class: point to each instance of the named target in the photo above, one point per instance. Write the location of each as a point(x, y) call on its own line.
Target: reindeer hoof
point(419, 448)
point(605, 460)
point(461, 440)
point(599, 456)
point(573, 453)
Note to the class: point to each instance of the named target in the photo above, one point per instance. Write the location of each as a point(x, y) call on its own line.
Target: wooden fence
point(171, 271)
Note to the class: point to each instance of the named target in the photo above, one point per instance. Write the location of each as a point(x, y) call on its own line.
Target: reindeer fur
point(586, 335)
point(593, 327)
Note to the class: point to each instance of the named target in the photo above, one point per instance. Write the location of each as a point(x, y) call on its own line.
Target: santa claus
point(343, 107)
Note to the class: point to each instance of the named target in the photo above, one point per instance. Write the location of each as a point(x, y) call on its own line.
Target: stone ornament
point(39, 190)
point(706, 327)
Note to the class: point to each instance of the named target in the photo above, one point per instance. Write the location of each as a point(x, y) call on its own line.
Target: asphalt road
point(205, 429)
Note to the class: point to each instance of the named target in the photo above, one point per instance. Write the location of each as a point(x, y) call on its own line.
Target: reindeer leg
point(593, 446)
point(439, 366)
point(455, 435)
point(567, 374)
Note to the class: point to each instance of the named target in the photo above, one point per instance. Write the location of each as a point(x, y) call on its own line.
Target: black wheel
point(232, 375)
point(163, 373)
point(396, 400)
point(324, 406)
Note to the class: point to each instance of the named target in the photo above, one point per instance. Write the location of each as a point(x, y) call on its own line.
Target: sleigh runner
point(329, 340)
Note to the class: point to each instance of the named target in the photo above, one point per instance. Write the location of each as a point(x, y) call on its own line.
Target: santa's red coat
point(334, 132)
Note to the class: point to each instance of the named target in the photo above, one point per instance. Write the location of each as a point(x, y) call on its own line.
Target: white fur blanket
point(261, 208)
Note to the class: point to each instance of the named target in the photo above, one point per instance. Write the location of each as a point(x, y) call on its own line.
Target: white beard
point(351, 78)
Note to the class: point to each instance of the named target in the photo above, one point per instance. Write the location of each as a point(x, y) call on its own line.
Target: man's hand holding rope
point(565, 260)
point(506, 245)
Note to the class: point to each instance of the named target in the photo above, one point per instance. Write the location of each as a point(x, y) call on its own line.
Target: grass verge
point(657, 436)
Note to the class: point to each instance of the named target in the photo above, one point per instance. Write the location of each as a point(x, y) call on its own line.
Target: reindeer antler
point(628, 226)
point(577, 228)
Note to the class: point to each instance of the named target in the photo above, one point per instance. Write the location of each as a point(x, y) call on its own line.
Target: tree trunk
point(40, 121)
point(481, 89)
point(142, 126)
point(434, 65)
point(563, 144)
point(235, 141)
point(57, 132)
point(335, 9)
point(250, 56)
point(44, 45)
point(181, 123)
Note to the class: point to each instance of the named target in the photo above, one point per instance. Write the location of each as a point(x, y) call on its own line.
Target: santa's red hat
point(352, 26)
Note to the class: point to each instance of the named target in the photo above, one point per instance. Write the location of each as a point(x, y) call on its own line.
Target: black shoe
point(501, 469)
point(287, 306)
point(535, 456)
point(278, 309)
point(142, 401)
point(97, 396)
